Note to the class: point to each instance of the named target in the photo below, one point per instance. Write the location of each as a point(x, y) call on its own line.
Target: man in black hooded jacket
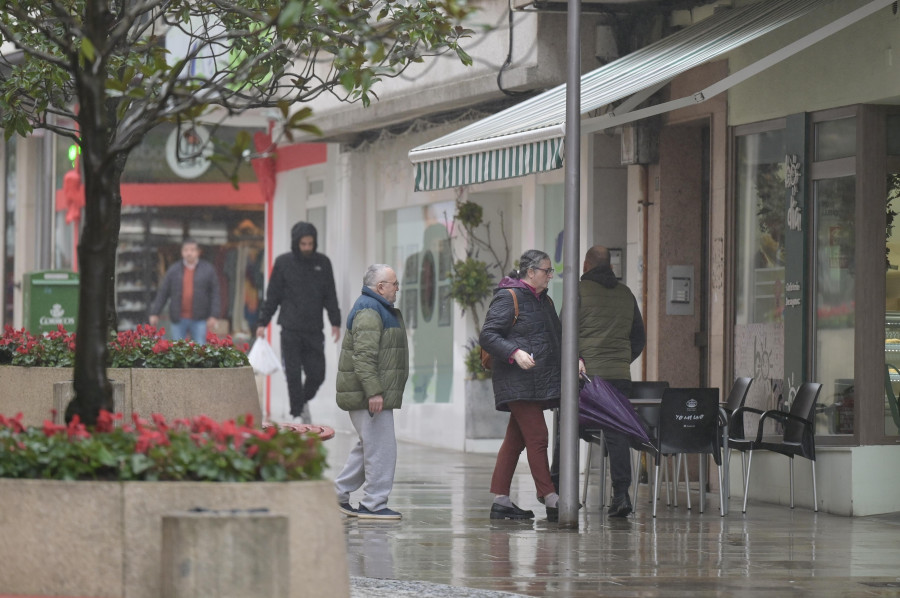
point(302, 285)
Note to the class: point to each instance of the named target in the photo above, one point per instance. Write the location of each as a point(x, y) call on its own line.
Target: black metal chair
point(736, 399)
point(798, 438)
point(650, 415)
point(689, 424)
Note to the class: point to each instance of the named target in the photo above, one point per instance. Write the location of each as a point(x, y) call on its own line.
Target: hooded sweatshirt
point(302, 287)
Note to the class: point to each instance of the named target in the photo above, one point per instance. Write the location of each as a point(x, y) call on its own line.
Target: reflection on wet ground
point(445, 537)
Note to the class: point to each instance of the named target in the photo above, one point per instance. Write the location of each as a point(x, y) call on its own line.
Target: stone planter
point(104, 539)
point(483, 421)
point(220, 393)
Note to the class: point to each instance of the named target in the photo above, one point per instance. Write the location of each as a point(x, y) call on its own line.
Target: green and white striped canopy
point(528, 138)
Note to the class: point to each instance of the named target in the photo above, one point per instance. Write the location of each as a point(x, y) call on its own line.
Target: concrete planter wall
point(483, 421)
point(103, 539)
point(220, 393)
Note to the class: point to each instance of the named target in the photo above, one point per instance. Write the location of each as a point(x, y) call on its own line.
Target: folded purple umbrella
point(602, 405)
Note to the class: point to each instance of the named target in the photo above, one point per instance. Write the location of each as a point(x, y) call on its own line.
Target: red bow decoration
point(72, 195)
point(264, 167)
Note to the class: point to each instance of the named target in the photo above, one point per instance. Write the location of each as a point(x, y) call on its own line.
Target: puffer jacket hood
point(300, 230)
point(603, 275)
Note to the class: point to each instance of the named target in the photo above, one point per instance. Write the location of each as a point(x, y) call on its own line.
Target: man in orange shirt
point(192, 288)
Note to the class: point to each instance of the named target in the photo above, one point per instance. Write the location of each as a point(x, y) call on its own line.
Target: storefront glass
point(759, 265)
point(554, 210)
point(892, 306)
point(230, 238)
point(834, 320)
point(416, 242)
point(835, 139)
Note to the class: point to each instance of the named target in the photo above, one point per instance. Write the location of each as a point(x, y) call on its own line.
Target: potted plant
point(472, 280)
point(101, 493)
point(174, 378)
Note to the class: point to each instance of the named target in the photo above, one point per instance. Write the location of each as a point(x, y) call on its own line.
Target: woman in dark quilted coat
point(526, 377)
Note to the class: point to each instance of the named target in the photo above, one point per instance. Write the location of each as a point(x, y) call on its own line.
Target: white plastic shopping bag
point(263, 359)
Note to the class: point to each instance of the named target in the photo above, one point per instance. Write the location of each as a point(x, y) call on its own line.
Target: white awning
point(528, 137)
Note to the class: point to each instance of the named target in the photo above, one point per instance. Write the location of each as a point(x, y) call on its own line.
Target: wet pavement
point(446, 545)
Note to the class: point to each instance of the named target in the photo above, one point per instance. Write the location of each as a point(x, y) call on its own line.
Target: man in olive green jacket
point(372, 373)
point(610, 336)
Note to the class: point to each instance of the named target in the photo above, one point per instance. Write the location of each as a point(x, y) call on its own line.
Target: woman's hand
point(523, 359)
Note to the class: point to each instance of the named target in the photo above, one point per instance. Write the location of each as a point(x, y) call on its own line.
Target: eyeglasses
point(396, 283)
point(547, 271)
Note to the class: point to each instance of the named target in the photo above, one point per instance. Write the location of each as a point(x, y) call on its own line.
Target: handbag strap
point(515, 305)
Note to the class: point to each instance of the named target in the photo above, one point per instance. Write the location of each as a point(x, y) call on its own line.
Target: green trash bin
point(51, 299)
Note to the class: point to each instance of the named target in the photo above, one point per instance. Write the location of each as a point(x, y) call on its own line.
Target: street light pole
point(568, 412)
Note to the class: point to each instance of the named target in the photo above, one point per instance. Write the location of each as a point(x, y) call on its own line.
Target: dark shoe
point(553, 514)
point(385, 513)
point(513, 512)
point(620, 507)
point(347, 509)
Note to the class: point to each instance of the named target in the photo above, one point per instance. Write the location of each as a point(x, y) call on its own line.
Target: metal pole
point(568, 412)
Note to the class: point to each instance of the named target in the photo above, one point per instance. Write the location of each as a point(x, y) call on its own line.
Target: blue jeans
point(197, 329)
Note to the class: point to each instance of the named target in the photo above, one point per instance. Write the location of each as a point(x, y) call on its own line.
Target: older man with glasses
point(372, 373)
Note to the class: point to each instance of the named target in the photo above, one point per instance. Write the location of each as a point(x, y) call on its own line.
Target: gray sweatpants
point(371, 462)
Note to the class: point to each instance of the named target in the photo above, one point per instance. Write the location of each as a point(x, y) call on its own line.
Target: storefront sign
point(792, 176)
point(187, 149)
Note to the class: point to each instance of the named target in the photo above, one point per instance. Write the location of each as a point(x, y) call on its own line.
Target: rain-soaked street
point(446, 538)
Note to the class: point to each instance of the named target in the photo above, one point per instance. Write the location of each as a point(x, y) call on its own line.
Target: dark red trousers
point(526, 430)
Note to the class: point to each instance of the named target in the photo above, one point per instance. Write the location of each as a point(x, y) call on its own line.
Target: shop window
point(835, 311)
point(835, 139)
point(892, 308)
point(554, 211)
point(759, 295)
point(760, 228)
point(230, 238)
point(893, 134)
point(416, 243)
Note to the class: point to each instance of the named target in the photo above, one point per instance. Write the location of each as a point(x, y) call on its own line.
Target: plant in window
point(472, 278)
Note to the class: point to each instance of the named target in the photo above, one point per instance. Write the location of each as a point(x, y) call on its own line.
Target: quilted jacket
point(374, 354)
point(536, 331)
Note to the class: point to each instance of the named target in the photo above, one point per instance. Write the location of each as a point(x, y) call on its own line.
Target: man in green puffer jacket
point(372, 373)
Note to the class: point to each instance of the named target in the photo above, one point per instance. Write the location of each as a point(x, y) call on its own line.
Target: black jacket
point(537, 331)
point(302, 287)
point(207, 302)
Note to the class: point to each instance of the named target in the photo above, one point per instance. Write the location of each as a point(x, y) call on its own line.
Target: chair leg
point(703, 475)
point(747, 480)
point(687, 483)
point(723, 496)
point(815, 498)
point(635, 473)
point(603, 456)
point(792, 482)
point(655, 486)
point(743, 470)
point(587, 473)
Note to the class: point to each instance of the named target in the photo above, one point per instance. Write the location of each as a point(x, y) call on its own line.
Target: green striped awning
point(528, 137)
point(491, 165)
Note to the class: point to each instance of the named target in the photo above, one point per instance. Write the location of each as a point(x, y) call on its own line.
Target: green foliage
point(199, 449)
point(470, 282)
point(143, 348)
point(472, 361)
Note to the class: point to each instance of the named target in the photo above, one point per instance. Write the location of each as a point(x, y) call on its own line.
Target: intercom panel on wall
point(680, 290)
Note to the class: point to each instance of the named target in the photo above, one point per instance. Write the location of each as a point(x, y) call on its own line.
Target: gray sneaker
point(385, 513)
point(347, 509)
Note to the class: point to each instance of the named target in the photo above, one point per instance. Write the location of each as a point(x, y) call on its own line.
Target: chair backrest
point(889, 392)
point(738, 394)
point(804, 406)
point(643, 389)
point(689, 421)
